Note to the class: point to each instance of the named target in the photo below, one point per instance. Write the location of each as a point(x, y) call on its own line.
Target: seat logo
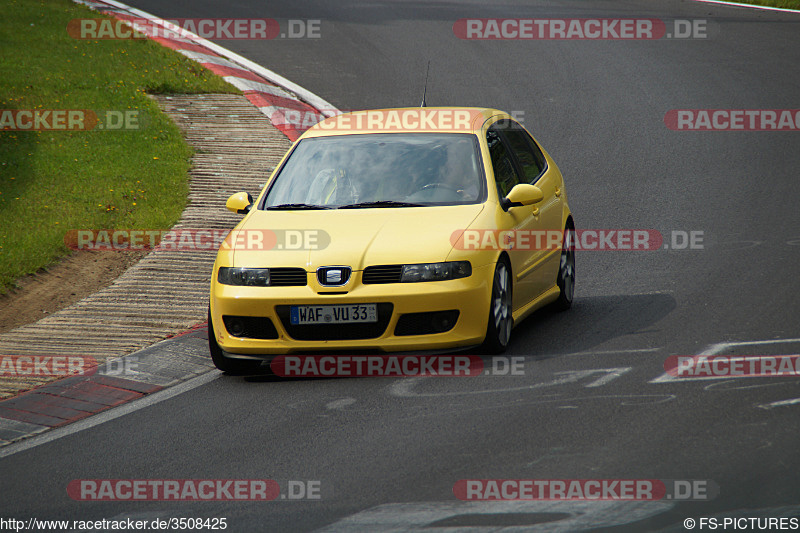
point(333, 276)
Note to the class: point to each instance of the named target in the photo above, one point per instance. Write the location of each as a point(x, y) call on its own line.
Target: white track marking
point(340, 404)
point(602, 352)
point(781, 403)
point(433, 516)
point(250, 85)
point(613, 373)
point(751, 6)
point(628, 400)
point(200, 57)
point(739, 384)
point(111, 414)
point(403, 387)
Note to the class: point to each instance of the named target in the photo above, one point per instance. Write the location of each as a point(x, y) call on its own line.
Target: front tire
point(227, 364)
point(566, 270)
point(498, 330)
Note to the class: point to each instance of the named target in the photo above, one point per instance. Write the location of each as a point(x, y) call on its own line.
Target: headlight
point(252, 277)
point(436, 271)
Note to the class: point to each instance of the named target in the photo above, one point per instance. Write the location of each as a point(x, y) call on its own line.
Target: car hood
point(349, 237)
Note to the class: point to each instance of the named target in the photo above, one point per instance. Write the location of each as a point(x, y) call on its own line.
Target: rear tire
point(227, 364)
point(498, 330)
point(566, 270)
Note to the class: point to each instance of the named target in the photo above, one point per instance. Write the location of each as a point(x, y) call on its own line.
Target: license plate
point(333, 314)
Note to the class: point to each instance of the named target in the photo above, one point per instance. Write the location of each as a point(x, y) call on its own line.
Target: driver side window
point(505, 175)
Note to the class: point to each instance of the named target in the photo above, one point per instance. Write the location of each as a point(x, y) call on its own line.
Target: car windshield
point(389, 170)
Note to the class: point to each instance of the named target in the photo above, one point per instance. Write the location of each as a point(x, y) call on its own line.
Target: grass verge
point(53, 181)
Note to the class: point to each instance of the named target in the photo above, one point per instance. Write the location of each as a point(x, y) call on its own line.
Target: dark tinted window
point(504, 173)
point(530, 158)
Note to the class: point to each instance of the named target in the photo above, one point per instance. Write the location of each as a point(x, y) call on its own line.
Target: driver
point(331, 186)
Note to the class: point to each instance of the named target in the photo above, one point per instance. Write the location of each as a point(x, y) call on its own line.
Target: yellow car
point(410, 229)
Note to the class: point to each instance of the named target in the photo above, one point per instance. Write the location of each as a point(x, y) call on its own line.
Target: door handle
point(535, 211)
point(558, 191)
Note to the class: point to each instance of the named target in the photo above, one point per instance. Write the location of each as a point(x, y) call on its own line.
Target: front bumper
point(469, 296)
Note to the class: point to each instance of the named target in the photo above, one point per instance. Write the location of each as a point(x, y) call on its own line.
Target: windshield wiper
point(381, 203)
point(288, 207)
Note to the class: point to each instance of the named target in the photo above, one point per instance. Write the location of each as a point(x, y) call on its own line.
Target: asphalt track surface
point(586, 407)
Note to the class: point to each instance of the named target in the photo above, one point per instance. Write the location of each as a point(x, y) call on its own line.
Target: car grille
point(287, 277)
point(382, 274)
point(336, 332)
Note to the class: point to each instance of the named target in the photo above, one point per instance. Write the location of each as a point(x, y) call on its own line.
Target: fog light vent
point(426, 323)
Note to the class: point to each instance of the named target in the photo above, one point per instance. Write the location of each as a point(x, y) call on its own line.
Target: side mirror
point(240, 203)
point(522, 194)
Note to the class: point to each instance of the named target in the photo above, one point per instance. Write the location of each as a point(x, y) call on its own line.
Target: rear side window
point(504, 173)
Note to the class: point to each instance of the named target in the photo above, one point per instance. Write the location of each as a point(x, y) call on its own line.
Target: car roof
point(405, 120)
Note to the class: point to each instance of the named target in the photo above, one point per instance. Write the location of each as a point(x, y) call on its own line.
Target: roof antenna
point(425, 90)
